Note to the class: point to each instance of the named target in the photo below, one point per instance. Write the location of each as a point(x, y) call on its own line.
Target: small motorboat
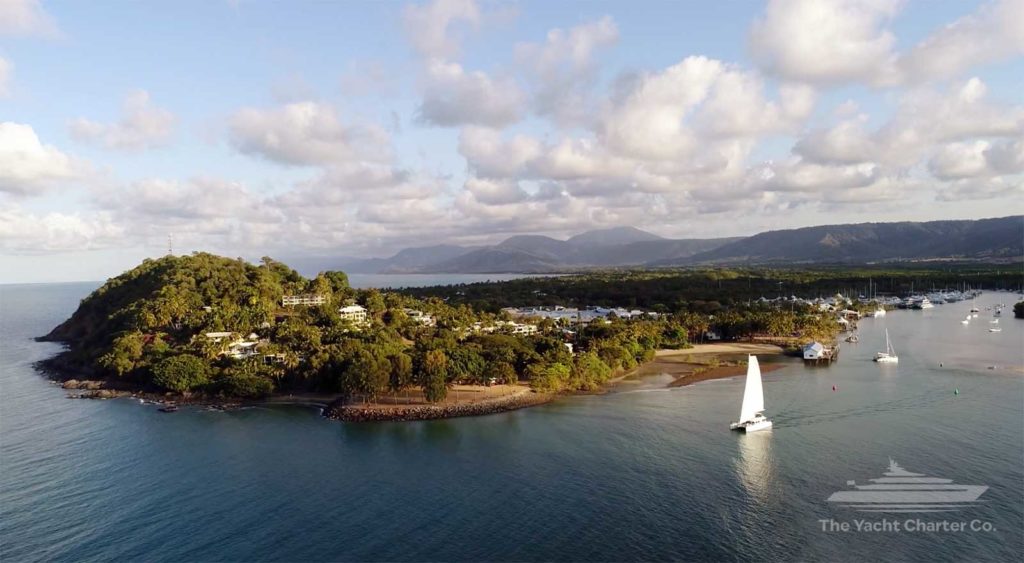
point(853, 339)
point(995, 329)
point(965, 322)
point(994, 322)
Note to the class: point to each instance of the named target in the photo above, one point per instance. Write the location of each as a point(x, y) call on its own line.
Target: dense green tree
point(433, 375)
point(548, 378)
point(181, 373)
point(125, 353)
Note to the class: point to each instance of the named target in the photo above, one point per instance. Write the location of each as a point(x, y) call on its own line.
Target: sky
point(259, 128)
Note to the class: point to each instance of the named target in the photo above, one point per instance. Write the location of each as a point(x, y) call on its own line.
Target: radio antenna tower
point(170, 244)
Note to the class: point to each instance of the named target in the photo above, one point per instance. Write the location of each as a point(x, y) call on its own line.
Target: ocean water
point(640, 474)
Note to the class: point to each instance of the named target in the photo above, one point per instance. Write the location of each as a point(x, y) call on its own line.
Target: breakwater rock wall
point(373, 413)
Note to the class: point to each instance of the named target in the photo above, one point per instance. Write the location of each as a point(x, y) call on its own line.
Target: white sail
point(888, 344)
point(753, 395)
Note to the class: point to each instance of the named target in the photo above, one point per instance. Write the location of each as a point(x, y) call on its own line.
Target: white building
point(218, 336)
point(307, 299)
point(420, 317)
point(241, 349)
point(814, 351)
point(355, 314)
point(234, 345)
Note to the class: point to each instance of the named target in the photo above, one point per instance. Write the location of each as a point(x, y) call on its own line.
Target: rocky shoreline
point(380, 413)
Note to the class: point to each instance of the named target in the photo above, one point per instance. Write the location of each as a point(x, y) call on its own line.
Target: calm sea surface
point(643, 473)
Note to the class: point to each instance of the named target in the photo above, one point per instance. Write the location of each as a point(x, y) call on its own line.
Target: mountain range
point(999, 239)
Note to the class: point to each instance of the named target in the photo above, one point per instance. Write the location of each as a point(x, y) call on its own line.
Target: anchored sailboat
point(889, 356)
point(752, 411)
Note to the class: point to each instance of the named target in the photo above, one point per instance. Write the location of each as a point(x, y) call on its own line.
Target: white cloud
point(495, 192)
point(848, 142)
point(995, 32)
point(25, 232)
point(454, 97)
point(840, 41)
point(977, 159)
point(825, 41)
point(800, 176)
point(562, 69)
point(431, 26)
point(306, 133)
point(648, 123)
point(25, 17)
point(923, 119)
point(142, 126)
point(27, 166)
point(6, 70)
point(489, 155)
point(1010, 188)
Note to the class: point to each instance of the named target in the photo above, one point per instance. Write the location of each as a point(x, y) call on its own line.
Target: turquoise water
point(643, 473)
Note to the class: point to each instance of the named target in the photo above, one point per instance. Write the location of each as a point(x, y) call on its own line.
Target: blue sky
point(358, 128)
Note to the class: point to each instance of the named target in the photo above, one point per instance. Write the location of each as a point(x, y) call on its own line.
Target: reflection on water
point(755, 466)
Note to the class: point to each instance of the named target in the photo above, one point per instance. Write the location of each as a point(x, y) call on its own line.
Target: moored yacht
point(889, 356)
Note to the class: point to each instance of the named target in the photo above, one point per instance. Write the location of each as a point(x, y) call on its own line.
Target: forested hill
point(993, 240)
point(187, 295)
point(224, 328)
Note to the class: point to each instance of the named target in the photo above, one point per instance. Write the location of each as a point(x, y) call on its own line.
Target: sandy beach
point(706, 361)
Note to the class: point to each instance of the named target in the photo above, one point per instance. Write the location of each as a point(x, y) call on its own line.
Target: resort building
point(507, 327)
point(355, 314)
point(571, 315)
point(218, 336)
point(234, 345)
point(305, 299)
point(420, 317)
point(241, 349)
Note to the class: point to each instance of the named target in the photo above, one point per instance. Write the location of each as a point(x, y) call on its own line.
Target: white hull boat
point(752, 417)
point(889, 356)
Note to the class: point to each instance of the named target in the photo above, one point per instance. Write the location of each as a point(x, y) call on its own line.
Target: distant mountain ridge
point(999, 239)
point(983, 239)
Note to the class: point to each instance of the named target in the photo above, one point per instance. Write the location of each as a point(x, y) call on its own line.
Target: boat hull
point(751, 426)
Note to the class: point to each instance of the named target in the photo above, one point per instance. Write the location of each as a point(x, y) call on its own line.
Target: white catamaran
point(889, 356)
point(752, 411)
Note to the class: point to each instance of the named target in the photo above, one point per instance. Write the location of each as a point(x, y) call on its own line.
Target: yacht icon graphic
point(902, 491)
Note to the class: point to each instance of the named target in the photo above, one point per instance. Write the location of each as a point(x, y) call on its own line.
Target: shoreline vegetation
point(701, 362)
point(207, 330)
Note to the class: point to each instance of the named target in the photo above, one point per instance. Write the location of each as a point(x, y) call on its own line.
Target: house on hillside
point(355, 314)
point(419, 317)
point(308, 299)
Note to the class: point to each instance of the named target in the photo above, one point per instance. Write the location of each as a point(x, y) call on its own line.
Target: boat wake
point(797, 418)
